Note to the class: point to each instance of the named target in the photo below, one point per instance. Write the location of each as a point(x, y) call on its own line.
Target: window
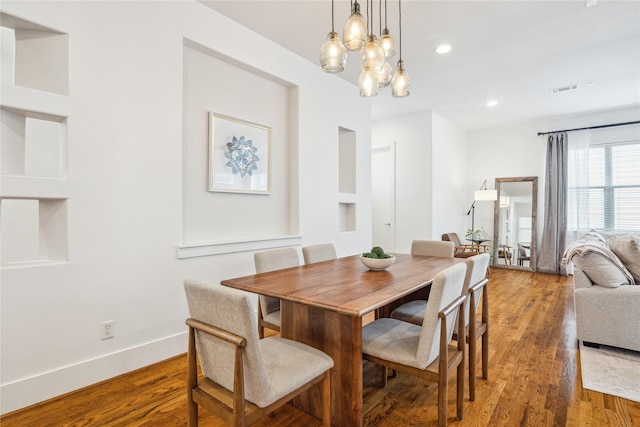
point(607, 196)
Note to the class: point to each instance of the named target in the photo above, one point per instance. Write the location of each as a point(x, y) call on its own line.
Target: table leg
point(340, 336)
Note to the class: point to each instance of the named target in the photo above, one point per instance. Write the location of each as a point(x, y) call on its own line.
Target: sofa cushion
point(600, 269)
point(627, 248)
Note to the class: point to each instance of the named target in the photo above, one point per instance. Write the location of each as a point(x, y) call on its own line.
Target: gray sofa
point(607, 288)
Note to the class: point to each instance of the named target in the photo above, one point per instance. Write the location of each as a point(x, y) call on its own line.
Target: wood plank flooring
point(534, 379)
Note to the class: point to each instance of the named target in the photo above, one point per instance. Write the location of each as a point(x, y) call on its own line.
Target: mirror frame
point(534, 219)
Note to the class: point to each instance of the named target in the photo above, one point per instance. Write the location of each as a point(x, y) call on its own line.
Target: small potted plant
point(377, 259)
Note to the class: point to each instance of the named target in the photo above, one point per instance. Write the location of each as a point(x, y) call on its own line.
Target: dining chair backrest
point(476, 272)
point(231, 310)
point(318, 253)
point(446, 287)
point(276, 259)
point(432, 248)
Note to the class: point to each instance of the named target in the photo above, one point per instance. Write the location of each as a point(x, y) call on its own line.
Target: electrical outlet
point(107, 329)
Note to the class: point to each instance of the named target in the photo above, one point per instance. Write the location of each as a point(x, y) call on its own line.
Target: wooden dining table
point(322, 305)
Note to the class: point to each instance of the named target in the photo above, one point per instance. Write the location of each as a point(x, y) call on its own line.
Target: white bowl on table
point(377, 264)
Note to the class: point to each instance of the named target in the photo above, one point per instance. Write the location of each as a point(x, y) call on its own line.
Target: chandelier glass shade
point(333, 54)
point(368, 83)
point(400, 82)
point(384, 76)
point(372, 58)
point(355, 30)
point(387, 43)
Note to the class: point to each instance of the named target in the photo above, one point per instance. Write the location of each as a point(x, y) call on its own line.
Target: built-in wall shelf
point(25, 187)
point(347, 196)
point(34, 56)
point(231, 246)
point(346, 217)
point(34, 231)
point(35, 103)
point(32, 264)
point(34, 76)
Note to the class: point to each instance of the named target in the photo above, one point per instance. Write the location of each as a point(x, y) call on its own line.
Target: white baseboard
point(28, 391)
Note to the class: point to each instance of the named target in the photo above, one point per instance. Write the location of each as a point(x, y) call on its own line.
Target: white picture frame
point(239, 156)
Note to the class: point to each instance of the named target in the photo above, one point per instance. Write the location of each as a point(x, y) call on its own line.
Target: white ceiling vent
point(564, 89)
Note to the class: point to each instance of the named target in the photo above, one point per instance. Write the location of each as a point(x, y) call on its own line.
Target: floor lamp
point(482, 195)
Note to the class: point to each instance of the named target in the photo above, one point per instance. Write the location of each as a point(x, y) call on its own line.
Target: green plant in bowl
point(377, 259)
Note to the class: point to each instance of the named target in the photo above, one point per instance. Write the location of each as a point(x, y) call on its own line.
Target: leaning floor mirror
point(514, 223)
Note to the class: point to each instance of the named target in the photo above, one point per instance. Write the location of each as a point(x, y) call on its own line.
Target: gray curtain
point(554, 232)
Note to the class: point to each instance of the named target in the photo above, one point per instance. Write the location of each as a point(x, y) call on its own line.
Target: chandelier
point(375, 70)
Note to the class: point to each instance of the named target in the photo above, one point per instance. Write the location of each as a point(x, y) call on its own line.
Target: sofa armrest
point(580, 279)
point(608, 316)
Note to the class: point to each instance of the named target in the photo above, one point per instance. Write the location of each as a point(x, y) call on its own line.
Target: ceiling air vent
point(564, 89)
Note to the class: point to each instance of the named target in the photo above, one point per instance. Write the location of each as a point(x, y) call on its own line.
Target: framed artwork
point(239, 156)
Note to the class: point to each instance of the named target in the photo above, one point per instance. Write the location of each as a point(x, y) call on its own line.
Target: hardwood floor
point(534, 379)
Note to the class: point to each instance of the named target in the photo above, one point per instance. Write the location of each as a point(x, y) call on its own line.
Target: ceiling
point(513, 52)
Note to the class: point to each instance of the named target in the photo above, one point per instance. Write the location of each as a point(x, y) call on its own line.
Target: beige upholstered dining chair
point(245, 377)
point(318, 253)
point(268, 307)
point(415, 309)
point(475, 282)
point(432, 248)
point(424, 351)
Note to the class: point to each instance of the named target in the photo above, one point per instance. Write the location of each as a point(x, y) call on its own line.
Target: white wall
point(430, 175)
point(126, 189)
point(449, 202)
point(517, 151)
point(413, 138)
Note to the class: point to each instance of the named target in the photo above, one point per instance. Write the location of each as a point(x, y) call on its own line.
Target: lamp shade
point(387, 43)
point(333, 54)
point(384, 76)
point(368, 83)
point(485, 195)
point(400, 82)
point(372, 56)
point(355, 30)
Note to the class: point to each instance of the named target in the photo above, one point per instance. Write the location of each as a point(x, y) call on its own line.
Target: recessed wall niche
point(346, 180)
point(33, 135)
point(346, 161)
point(32, 144)
point(33, 231)
point(34, 56)
point(216, 221)
point(346, 217)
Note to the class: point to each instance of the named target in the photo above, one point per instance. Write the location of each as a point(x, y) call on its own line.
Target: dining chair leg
point(384, 374)
point(442, 400)
point(326, 400)
point(472, 368)
point(485, 354)
point(460, 391)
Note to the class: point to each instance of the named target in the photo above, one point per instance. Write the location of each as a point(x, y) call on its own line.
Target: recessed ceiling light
point(492, 103)
point(444, 48)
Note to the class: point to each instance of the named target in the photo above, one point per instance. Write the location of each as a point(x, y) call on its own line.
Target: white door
point(383, 192)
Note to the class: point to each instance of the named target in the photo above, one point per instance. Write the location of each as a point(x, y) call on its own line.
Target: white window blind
point(607, 197)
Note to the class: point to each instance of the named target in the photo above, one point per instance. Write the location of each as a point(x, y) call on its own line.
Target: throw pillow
point(600, 269)
point(627, 248)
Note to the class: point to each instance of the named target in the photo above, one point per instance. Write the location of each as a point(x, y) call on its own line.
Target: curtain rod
point(591, 127)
